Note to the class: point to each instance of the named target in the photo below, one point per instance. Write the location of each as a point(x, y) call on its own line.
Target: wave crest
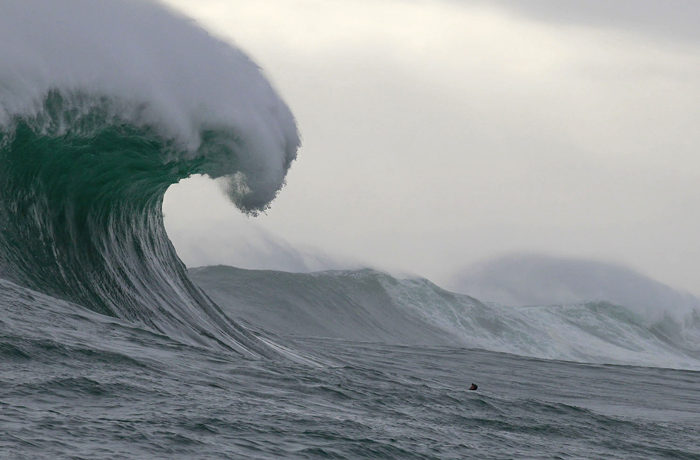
point(104, 105)
point(157, 69)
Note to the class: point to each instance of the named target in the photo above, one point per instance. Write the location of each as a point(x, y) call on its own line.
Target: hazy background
point(440, 133)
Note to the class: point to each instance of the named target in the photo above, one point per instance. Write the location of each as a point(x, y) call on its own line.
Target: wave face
point(351, 305)
point(373, 306)
point(104, 105)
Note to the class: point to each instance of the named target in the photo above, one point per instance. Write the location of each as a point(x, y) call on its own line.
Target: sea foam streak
point(104, 105)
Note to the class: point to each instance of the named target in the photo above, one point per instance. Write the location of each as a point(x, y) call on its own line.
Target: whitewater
point(368, 305)
point(111, 348)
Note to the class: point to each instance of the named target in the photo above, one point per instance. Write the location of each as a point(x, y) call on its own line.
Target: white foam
point(179, 77)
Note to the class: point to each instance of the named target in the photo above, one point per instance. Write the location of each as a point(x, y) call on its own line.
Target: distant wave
point(104, 105)
point(535, 279)
point(374, 306)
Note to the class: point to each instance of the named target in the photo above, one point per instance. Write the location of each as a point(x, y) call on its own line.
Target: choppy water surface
point(77, 384)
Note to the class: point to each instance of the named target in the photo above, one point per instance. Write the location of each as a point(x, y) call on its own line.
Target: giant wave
point(104, 105)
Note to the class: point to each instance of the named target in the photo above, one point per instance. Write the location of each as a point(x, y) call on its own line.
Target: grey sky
point(439, 133)
point(670, 20)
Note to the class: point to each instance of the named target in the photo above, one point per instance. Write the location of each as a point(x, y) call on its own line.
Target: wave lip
point(104, 105)
point(159, 70)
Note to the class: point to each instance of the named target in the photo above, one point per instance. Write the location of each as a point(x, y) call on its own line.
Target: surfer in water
point(473, 387)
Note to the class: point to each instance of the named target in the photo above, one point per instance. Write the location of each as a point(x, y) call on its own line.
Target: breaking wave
point(374, 306)
point(104, 105)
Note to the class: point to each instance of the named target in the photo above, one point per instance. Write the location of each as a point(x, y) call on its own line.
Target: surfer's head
point(474, 386)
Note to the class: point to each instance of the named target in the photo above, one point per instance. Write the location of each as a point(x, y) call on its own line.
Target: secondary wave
point(373, 306)
point(104, 105)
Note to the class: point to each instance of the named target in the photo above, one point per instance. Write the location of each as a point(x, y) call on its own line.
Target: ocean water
point(368, 305)
point(79, 385)
point(111, 348)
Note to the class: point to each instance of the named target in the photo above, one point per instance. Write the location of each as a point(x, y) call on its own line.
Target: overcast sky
point(440, 133)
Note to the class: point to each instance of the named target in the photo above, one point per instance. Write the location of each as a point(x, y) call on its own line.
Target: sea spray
point(104, 105)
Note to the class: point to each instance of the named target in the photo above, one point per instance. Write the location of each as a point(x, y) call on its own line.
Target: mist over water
point(531, 279)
